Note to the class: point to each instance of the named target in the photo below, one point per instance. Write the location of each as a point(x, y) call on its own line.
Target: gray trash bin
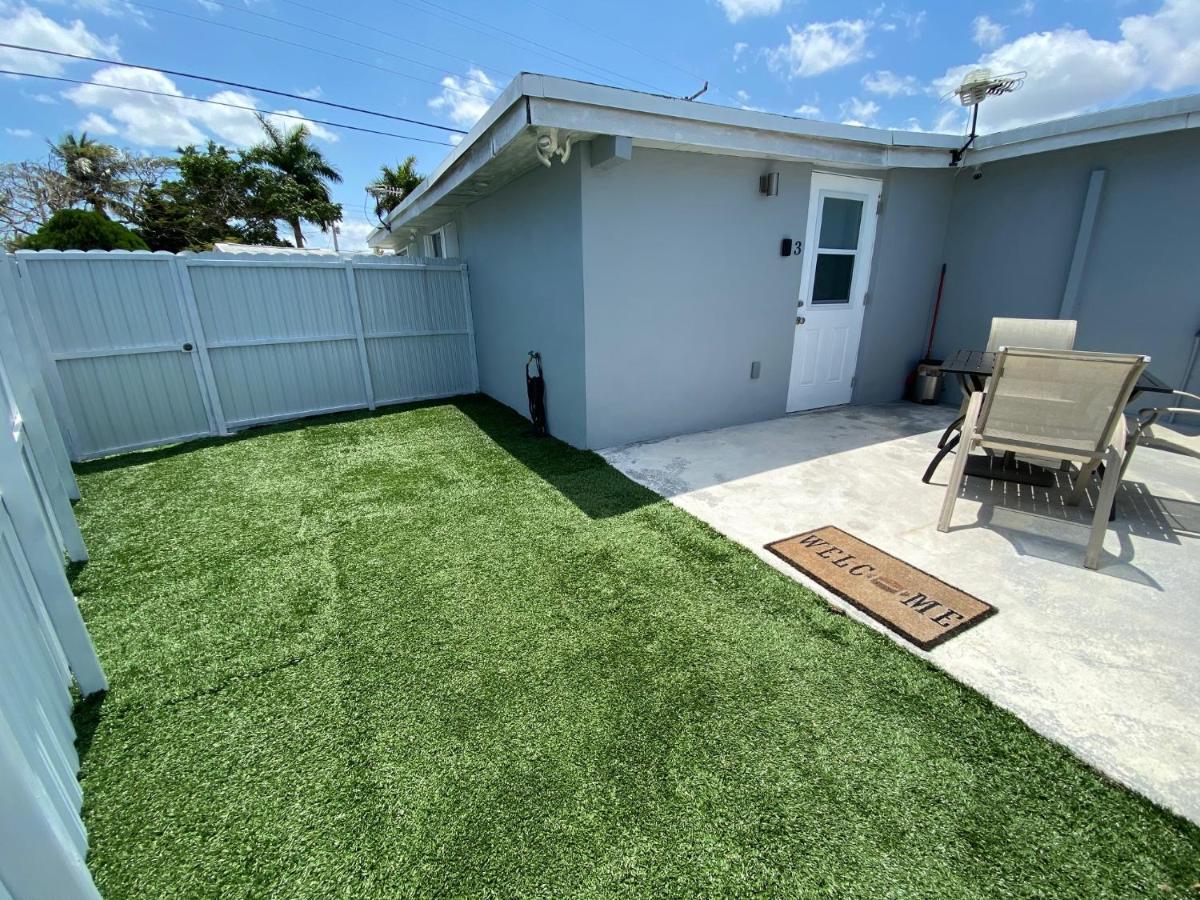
point(927, 382)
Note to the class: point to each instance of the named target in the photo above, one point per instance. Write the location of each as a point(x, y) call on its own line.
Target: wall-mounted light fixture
point(768, 184)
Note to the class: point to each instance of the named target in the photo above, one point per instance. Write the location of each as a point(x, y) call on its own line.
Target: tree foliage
point(82, 229)
point(78, 171)
point(203, 196)
point(300, 192)
point(218, 196)
point(398, 182)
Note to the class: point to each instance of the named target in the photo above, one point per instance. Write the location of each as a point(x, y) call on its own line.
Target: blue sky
point(885, 64)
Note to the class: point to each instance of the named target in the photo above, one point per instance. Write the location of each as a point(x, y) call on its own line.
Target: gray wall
point(1012, 234)
point(685, 288)
point(524, 251)
point(904, 276)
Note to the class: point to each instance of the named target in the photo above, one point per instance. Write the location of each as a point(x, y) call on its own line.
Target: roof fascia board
point(1169, 109)
point(715, 137)
point(594, 95)
point(1064, 140)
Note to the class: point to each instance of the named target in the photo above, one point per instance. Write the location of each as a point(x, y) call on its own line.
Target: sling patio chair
point(1046, 334)
point(1147, 430)
point(1054, 404)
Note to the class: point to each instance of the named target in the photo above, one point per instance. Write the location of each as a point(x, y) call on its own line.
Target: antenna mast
point(977, 87)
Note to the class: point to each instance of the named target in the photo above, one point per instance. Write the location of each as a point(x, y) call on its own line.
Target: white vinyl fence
point(141, 349)
point(44, 646)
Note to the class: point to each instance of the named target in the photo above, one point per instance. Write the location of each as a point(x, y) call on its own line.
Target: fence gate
point(153, 348)
point(122, 348)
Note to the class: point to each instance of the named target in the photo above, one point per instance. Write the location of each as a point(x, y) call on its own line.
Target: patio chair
point(1149, 432)
point(1046, 334)
point(1054, 404)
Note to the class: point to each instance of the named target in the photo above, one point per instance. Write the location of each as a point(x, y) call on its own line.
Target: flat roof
point(500, 147)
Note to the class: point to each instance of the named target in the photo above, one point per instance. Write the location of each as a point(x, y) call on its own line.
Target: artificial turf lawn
point(422, 653)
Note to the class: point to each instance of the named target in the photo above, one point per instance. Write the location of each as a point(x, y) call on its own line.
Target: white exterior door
point(837, 250)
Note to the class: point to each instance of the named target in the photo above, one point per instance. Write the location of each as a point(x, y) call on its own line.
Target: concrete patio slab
point(1105, 662)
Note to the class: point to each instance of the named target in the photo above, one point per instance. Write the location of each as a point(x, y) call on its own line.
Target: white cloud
point(859, 112)
point(30, 26)
point(743, 99)
point(313, 93)
point(738, 49)
point(352, 235)
point(986, 33)
point(169, 121)
point(1026, 8)
point(807, 111)
point(819, 47)
point(94, 124)
point(952, 121)
point(911, 22)
point(736, 10)
point(1071, 72)
point(19, 132)
point(1168, 42)
point(115, 9)
point(465, 100)
point(889, 84)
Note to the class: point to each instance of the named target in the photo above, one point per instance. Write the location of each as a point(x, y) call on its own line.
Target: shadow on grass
point(86, 718)
point(142, 457)
point(581, 476)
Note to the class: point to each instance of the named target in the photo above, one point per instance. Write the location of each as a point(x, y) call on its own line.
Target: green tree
point(397, 182)
point(218, 196)
point(91, 167)
point(112, 181)
point(82, 229)
point(300, 190)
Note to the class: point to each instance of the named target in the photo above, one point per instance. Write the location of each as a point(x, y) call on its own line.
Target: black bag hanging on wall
point(535, 385)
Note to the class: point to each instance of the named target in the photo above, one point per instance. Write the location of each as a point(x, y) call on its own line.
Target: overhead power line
point(497, 33)
point(616, 40)
point(285, 115)
point(308, 47)
point(333, 37)
point(373, 27)
point(236, 84)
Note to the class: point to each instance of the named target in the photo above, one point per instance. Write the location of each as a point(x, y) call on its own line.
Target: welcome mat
point(910, 602)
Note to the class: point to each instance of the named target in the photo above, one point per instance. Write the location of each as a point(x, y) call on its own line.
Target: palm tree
point(291, 154)
point(93, 169)
point(398, 180)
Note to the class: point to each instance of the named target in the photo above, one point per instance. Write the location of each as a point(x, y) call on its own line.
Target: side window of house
point(433, 245)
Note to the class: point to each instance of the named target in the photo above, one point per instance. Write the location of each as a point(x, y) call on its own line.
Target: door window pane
point(831, 283)
point(840, 219)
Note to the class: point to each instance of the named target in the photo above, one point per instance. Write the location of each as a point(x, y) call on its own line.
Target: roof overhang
point(501, 146)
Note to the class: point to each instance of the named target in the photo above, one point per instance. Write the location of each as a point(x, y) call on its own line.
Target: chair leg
point(950, 429)
point(1108, 493)
point(958, 472)
point(1082, 481)
point(937, 459)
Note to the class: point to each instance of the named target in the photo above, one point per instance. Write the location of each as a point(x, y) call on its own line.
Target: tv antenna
point(977, 86)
